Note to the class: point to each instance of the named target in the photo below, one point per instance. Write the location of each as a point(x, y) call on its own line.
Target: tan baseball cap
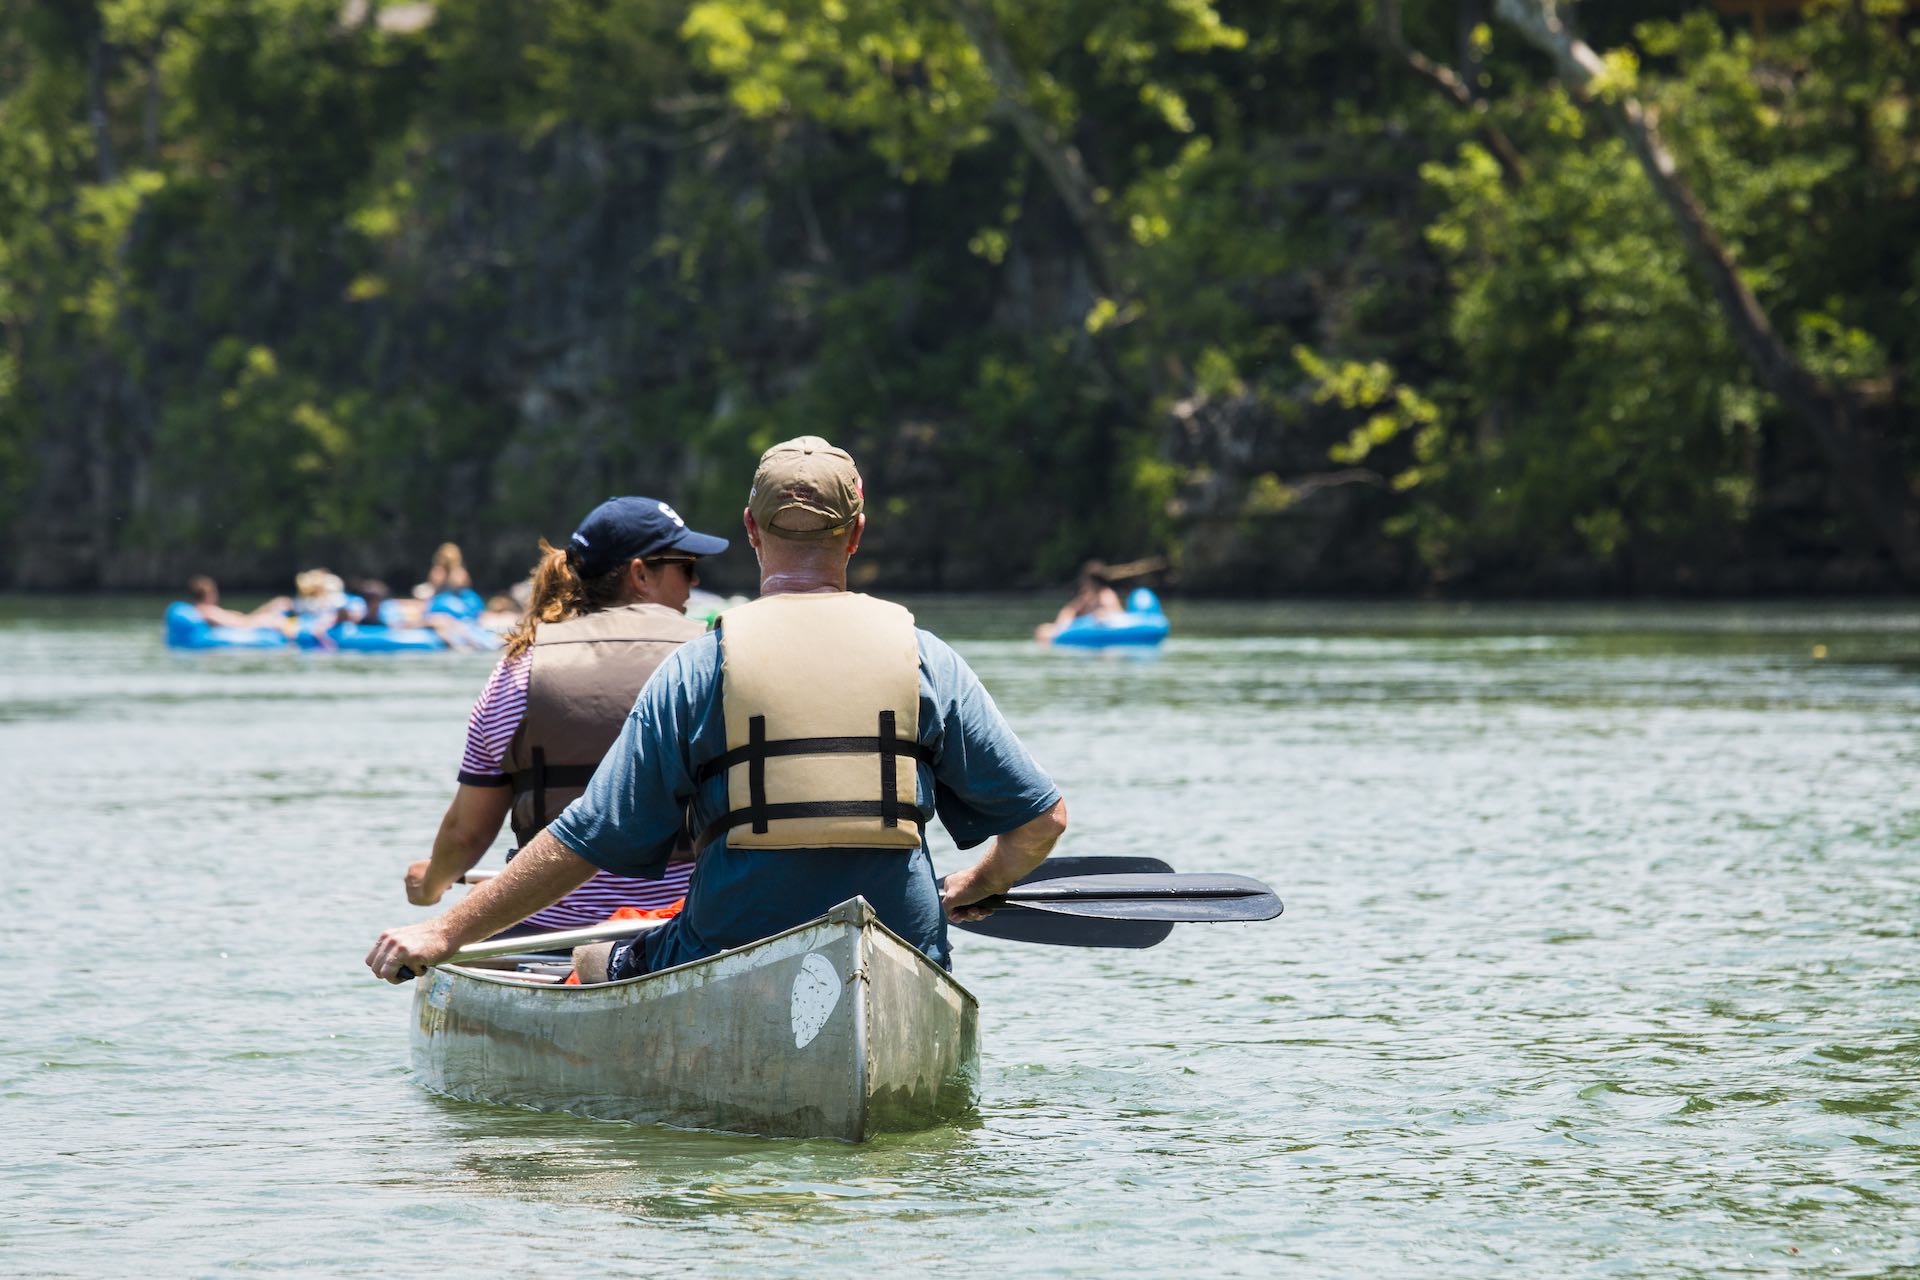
point(801, 483)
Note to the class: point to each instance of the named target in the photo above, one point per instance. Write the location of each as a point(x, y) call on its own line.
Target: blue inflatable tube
point(1144, 623)
point(464, 604)
point(351, 637)
point(186, 629)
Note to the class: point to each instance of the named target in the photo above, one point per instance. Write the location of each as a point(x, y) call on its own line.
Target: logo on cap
point(672, 515)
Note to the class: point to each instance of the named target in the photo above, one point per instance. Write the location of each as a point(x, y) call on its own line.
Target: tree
point(1843, 421)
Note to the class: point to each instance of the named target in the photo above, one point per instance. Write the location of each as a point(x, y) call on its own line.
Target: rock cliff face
point(1247, 531)
point(532, 327)
point(522, 329)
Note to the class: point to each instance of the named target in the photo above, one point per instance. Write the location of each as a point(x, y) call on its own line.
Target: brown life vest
point(587, 671)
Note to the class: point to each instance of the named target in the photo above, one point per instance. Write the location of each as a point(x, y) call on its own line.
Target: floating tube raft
point(464, 604)
point(186, 629)
point(1144, 623)
point(352, 637)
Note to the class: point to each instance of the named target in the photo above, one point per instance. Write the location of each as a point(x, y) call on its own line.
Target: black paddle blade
point(1169, 910)
point(1194, 898)
point(1016, 925)
point(1061, 930)
point(1058, 868)
point(1119, 902)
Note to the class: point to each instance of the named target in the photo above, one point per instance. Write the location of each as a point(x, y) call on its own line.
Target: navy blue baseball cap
point(623, 529)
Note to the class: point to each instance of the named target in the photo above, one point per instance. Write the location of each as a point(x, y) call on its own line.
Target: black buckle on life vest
point(810, 809)
point(541, 775)
point(887, 744)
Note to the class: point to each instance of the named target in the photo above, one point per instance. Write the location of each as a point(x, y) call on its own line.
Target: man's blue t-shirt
point(983, 783)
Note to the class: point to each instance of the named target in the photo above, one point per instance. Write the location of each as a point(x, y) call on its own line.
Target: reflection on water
point(1600, 958)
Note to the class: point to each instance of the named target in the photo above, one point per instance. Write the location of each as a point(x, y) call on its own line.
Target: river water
point(1601, 958)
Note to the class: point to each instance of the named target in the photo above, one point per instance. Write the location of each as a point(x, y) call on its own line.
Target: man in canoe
point(805, 745)
point(604, 612)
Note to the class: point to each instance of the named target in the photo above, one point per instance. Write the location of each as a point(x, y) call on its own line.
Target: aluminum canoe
point(835, 1029)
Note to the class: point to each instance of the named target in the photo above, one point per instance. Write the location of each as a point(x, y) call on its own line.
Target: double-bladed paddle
point(1119, 902)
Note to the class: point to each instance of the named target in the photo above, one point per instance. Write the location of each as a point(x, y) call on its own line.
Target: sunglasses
point(685, 562)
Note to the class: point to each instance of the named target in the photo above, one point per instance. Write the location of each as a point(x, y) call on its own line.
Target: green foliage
point(323, 285)
point(1606, 413)
point(1592, 373)
point(1392, 411)
point(901, 74)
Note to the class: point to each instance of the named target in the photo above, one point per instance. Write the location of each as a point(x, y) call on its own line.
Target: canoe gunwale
point(854, 912)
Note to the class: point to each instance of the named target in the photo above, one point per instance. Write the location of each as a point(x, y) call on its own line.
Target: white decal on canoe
point(816, 990)
point(441, 990)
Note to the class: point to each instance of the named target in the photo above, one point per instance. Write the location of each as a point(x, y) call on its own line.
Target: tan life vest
point(822, 700)
point(587, 671)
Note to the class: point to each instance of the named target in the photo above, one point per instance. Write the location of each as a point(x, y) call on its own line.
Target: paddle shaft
point(559, 940)
point(1096, 879)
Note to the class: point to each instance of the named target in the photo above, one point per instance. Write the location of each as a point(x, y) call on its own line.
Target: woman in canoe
point(605, 611)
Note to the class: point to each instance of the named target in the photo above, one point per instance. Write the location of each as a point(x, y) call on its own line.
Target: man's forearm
point(1021, 850)
point(1011, 857)
point(539, 876)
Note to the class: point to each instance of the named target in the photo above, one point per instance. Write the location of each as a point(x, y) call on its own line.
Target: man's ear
point(853, 534)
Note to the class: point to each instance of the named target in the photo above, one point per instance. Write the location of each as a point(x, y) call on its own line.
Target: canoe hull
point(835, 1029)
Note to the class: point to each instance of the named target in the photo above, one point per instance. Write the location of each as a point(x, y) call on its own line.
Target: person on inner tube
point(1095, 595)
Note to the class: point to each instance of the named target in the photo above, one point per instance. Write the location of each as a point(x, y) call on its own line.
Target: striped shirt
point(495, 718)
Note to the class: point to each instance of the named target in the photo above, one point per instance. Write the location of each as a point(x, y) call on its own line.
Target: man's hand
point(421, 891)
point(415, 947)
point(960, 894)
point(544, 872)
point(1010, 859)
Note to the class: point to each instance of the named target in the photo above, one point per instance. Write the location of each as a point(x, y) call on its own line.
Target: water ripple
point(1600, 959)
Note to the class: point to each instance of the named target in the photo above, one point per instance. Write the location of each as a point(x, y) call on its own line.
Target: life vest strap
point(887, 744)
point(542, 775)
point(812, 809)
point(890, 745)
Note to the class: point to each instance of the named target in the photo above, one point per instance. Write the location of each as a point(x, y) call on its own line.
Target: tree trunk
point(150, 114)
point(1389, 31)
point(1060, 159)
point(1834, 418)
point(97, 121)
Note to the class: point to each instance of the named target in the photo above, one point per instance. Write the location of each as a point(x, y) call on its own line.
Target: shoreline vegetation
point(1315, 298)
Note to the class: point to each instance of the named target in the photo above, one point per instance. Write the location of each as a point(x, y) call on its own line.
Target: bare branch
point(1392, 34)
point(1057, 155)
point(1831, 416)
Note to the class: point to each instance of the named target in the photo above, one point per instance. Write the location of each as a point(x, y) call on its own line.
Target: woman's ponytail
point(559, 593)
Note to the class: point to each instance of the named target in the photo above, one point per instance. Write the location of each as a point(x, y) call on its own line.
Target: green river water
point(1601, 958)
